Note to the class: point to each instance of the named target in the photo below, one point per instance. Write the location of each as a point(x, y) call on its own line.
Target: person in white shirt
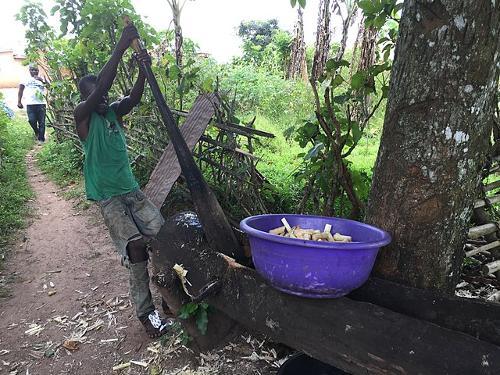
point(33, 89)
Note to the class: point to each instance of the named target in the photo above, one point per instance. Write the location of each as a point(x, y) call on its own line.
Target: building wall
point(12, 71)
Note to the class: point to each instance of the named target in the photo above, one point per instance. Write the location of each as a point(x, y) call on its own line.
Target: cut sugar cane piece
point(341, 238)
point(121, 366)
point(319, 236)
point(330, 237)
point(288, 227)
point(278, 231)
point(328, 228)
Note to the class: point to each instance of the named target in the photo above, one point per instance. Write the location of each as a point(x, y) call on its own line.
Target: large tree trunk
point(436, 131)
point(298, 67)
point(366, 61)
point(322, 40)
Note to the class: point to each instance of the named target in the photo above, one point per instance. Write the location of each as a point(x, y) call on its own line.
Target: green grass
point(364, 155)
point(61, 161)
point(16, 138)
point(278, 164)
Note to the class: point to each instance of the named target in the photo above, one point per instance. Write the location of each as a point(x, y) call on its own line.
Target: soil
point(69, 312)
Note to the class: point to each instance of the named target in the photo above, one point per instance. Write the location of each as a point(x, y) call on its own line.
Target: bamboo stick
point(228, 126)
point(226, 147)
point(483, 249)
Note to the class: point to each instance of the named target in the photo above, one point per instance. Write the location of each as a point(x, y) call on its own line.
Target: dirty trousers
point(129, 217)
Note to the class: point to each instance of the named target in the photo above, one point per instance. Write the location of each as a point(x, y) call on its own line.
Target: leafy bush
point(256, 89)
point(62, 161)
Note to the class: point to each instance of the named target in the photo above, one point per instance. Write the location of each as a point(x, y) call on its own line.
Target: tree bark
point(435, 138)
point(298, 67)
point(322, 46)
point(366, 61)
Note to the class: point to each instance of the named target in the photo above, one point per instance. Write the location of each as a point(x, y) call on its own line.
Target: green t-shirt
point(106, 168)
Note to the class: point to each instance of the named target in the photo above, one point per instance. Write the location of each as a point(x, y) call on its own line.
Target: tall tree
point(298, 66)
point(436, 132)
point(177, 6)
point(256, 36)
point(347, 10)
point(366, 61)
point(323, 35)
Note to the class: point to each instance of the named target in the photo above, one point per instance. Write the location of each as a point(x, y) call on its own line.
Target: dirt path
point(69, 287)
point(68, 283)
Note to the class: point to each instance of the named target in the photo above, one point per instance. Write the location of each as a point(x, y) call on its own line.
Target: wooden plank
point(482, 249)
point(481, 230)
point(477, 318)
point(358, 337)
point(168, 170)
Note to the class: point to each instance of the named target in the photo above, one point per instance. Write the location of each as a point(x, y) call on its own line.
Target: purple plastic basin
point(309, 268)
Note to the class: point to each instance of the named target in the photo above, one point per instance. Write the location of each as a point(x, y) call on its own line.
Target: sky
point(212, 24)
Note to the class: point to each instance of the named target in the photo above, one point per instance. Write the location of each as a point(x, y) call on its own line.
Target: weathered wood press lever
point(215, 224)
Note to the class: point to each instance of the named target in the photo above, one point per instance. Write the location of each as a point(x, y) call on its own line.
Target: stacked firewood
point(482, 250)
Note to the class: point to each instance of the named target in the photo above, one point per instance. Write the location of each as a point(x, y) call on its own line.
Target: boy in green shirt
point(130, 217)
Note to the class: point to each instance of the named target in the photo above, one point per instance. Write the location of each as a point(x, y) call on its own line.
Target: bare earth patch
point(69, 310)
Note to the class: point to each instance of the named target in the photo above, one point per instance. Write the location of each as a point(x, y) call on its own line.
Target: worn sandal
point(156, 326)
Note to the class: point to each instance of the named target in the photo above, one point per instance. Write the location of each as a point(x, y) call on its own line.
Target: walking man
point(33, 90)
point(130, 217)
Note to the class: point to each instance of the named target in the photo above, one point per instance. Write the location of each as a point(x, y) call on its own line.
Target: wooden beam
point(357, 337)
point(477, 318)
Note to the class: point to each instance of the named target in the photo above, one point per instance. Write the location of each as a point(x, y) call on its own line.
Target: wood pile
point(481, 274)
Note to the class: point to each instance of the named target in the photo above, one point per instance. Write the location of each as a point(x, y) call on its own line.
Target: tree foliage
point(38, 32)
point(263, 38)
